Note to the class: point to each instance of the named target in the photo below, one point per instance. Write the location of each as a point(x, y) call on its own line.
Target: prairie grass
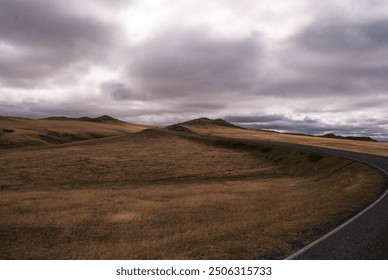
point(156, 195)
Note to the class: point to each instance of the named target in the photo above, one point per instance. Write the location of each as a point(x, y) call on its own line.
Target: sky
point(301, 66)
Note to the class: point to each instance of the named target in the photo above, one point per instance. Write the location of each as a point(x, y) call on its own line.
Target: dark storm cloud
point(193, 62)
point(333, 57)
point(45, 25)
point(118, 91)
point(336, 36)
point(204, 107)
point(276, 122)
point(44, 37)
point(255, 119)
point(376, 31)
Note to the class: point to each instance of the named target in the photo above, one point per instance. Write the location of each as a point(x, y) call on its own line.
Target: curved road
point(365, 236)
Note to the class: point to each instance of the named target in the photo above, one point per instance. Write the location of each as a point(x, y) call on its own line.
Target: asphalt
point(364, 236)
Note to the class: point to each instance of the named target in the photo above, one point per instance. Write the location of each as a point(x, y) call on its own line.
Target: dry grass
point(377, 148)
point(26, 132)
point(159, 196)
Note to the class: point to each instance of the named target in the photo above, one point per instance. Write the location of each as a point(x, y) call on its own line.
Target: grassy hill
point(22, 132)
point(354, 144)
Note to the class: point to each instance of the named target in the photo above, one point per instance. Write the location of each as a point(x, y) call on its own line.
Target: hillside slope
point(340, 143)
point(22, 132)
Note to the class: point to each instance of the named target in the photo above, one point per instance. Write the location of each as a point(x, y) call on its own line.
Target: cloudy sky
point(299, 65)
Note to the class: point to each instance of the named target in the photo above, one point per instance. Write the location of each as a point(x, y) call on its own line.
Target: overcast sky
point(297, 65)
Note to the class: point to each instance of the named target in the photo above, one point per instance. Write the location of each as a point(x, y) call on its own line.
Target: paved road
point(365, 236)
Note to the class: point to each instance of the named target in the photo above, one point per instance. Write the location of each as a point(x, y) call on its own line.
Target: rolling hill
point(22, 132)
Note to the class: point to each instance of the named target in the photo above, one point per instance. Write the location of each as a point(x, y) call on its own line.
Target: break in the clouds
point(299, 66)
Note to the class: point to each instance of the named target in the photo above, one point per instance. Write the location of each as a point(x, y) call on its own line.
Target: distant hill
point(359, 138)
point(179, 128)
point(205, 122)
point(101, 119)
point(21, 132)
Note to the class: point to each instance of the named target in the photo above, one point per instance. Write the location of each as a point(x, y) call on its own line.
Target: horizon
point(292, 132)
point(296, 67)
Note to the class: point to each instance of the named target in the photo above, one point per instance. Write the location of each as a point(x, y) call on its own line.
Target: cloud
point(340, 36)
point(332, 57)
point(117, 90)
point(188, 62)
point(40, 39)
point(255, 119)
point(277, 122)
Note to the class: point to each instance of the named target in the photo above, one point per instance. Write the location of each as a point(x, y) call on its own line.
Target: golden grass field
point(159, 195)
point(377, 148)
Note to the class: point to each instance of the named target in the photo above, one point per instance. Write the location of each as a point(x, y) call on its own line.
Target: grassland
point(156, 195)
point(377, 148)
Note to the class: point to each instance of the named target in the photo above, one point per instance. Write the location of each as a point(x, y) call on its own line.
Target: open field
point(156, 195)
point(377, 148)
